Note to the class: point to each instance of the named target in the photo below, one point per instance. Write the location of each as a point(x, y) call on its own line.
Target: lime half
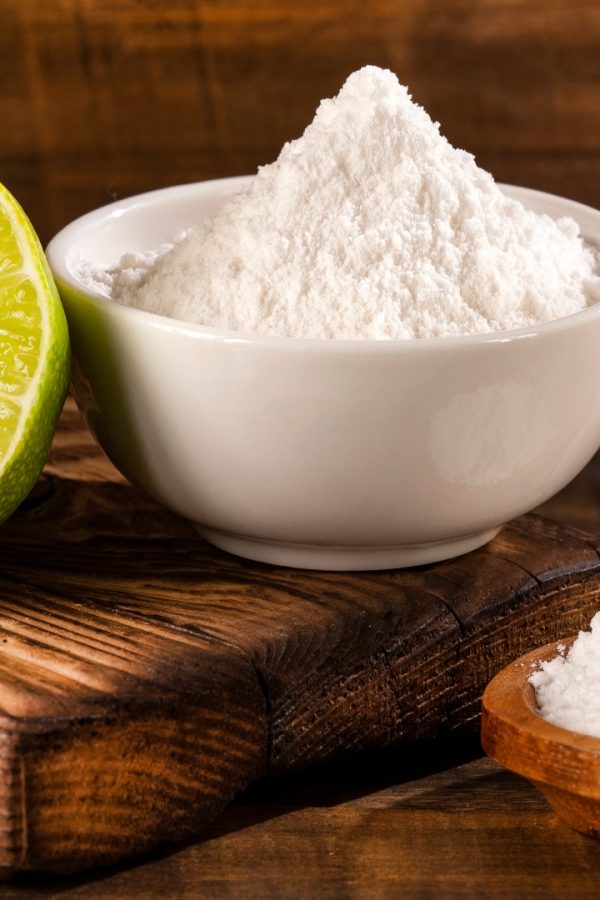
point(34, 355)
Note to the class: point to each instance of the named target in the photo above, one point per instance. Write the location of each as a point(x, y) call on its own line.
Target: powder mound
point(370, 225)
point(567, 688)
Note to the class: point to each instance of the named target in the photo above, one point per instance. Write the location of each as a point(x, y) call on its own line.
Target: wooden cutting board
point(146, 677)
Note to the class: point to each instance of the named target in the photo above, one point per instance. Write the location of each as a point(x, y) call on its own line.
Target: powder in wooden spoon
point(567, 688)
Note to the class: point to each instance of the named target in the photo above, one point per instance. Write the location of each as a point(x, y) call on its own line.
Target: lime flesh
point(34, 355)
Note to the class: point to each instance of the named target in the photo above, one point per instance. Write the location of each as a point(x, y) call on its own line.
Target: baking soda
point(370, 225)
point(567, 688)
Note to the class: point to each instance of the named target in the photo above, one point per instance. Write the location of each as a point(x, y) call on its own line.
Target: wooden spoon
point(564, 765)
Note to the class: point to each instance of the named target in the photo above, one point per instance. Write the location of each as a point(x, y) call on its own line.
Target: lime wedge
point(34, 355)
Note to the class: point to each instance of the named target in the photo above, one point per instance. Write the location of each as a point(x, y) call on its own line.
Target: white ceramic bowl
point(326, 454)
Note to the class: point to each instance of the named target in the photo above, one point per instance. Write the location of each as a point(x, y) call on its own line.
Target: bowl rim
point(60, 246)
point(509, 709)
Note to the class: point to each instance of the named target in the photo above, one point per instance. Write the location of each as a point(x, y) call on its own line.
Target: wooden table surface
point(383, 829)
point(436, 820)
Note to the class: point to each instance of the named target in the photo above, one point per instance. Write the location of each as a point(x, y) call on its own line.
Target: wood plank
point(133, 654)
point(365, 830)
point(199, 90)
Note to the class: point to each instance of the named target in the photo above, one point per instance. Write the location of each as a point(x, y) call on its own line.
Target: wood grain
point(399, 826)
point(108, 98)
point(146, 677)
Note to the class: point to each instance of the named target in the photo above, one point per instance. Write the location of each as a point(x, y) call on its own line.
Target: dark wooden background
point(105, 98)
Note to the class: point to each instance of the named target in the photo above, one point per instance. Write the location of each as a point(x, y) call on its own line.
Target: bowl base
point(345, 559)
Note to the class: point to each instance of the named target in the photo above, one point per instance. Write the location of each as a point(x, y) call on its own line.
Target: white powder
point(567, 688)
point(371, 225)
